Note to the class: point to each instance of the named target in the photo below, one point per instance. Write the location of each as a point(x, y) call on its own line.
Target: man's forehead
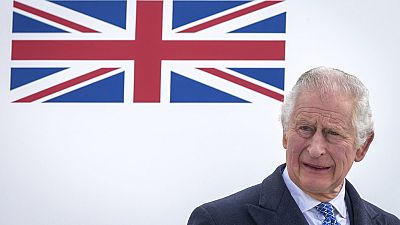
point(327, 103)
point(318, 112)
point(314, 115)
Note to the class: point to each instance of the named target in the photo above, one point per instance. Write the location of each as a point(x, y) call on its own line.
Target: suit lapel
point(360, 215)
point(263, 216)
point(276, 205)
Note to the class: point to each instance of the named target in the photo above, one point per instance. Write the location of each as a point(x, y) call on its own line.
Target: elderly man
point(327, 125)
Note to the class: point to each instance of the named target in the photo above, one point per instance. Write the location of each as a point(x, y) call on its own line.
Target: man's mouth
point(316, 167)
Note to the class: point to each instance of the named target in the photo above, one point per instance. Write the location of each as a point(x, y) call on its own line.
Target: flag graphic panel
point(227, 51)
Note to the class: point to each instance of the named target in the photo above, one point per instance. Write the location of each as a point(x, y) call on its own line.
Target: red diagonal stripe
point(227, 17)
point(243, 83)
point(64, 85)
point(53, 18)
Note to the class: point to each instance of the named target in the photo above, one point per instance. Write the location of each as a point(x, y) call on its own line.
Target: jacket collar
point(276, 206)
point(360, 214)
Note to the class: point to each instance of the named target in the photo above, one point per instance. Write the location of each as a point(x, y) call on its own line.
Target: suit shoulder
point(379, 215)
point(228, 210)
point(249, 195)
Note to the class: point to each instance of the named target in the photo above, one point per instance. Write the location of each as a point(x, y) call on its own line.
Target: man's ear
point(362, 151)
point(284, 140)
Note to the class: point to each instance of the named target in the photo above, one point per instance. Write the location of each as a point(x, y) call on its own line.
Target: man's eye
point(306, 128)
point(305, 131)
point(333, 136)
point(333, 133)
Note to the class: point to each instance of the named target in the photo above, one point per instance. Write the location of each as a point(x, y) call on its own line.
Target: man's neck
point(324, 197)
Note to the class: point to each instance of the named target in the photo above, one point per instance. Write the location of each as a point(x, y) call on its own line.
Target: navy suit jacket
point(270, 203)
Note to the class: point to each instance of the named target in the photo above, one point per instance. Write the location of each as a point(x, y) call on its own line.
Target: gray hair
point(329, 80)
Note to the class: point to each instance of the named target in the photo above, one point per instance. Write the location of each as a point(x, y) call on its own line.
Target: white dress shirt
point(307, 204)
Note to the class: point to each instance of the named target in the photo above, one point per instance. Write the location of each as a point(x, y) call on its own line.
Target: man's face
point(320, 143)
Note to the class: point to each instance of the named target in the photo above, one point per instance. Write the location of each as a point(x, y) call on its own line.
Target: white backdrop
point(72, 164)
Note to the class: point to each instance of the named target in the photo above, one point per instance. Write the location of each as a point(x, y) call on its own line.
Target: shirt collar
point(339, 203)
point(306, 202)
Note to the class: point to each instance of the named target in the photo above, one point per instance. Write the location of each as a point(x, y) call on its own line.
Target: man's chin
point(314, 187)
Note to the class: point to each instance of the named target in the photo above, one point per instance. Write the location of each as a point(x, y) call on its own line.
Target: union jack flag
point(147, 51)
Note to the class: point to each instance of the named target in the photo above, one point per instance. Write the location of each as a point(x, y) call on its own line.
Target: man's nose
point(317, 146)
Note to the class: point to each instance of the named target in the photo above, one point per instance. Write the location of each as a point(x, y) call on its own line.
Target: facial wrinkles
point(315, 116)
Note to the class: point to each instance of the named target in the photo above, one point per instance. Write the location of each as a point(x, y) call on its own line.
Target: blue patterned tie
point(326, 209)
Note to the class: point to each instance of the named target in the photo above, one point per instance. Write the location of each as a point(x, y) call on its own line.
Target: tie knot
point(326, 209)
